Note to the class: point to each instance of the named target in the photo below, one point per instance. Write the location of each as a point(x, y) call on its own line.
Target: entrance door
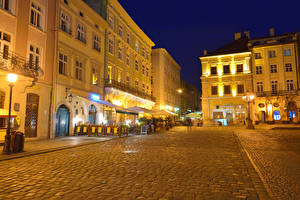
point(262, 116)
point(92, 115)
point(229, 117)
point(31, 119)
point(62, 121)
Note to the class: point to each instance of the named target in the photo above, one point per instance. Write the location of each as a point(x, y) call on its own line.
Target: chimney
point(205, 52)
point(237, 36)
point(272, 31)
point(247, 34)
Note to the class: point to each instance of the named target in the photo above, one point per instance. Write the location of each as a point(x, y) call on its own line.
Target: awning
point(4, 113)
point(164, 112)
point(141, 110)
point(193, 115)
point(126, 112)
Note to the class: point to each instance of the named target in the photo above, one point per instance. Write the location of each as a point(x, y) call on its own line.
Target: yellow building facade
point(226, 78)
point(275, 78)
point(128, 64)
point(166, 80)
point(79, 67)
point(27, 41)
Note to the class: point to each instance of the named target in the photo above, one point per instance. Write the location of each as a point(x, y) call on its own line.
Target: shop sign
point(261, 105)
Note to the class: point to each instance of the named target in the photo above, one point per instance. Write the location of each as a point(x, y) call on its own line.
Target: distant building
point(166, 81)
point(190, 98)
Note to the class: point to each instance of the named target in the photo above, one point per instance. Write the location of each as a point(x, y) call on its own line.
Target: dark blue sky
point(185, 29)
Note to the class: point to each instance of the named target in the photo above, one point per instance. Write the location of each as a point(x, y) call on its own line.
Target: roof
point(237, 46)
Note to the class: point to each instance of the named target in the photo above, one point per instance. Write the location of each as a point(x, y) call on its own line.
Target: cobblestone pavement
point(199, 164)
point(276, 153)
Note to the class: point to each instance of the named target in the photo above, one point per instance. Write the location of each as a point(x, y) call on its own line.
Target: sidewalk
point(45, 146)
point(277, 126)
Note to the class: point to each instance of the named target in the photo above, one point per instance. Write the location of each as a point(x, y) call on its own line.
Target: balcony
point(124, 87)
point(11, 62)
point(276, 93)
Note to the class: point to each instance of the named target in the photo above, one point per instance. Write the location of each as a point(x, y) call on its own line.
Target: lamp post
point(11, 78)
point(249, 98)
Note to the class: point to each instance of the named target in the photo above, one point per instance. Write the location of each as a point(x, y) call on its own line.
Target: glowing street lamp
point(11, 78)
point(179, 91)
point(249, 98)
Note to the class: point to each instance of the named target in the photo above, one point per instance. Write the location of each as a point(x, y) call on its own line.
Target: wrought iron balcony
point(11, 62)
point(124, 87)
point(276, 93)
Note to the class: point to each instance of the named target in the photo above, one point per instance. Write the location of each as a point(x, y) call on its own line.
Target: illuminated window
point(274, 87)
point(213, 70)
point(136, 65)
point(65, 23)
point(239, 68)
point(62, 64)
point(214, 90)
point(119, 77)
point(226, 69)
point(287, 52)
point(137, 46)
point(36, 16)
point(258, 69)
point(34, 56)
point(79, 70)
point(273, 68)
point(272, 54)
point(95, 76)
point(257, 55)
point(227, 89)
point(2, 99)
point(127, 59)
point(290, 85)
point(97, 43)
point(259, 86)
point(111, 21)
point(109, 73)
point(240, 89)
point(288, 67)
point(120, 53)
point(111, 46)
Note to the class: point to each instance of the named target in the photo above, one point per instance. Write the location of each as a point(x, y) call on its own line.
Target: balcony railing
point(126, 88)
point(276, 93)
point(11, 62)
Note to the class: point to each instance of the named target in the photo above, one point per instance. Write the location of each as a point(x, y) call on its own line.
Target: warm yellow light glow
point(117, 103)
point(179, 91)
point(221, 92)
point(270, 108)
point(169, 107)
point(234, 92)
point(12, 78)
point(252, 97)
point(162, 107)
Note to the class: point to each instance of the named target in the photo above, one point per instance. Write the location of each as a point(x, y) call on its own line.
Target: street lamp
point(249, 98)
point(11, 78)
point(179, 91)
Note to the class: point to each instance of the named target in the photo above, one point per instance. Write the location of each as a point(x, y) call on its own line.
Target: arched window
point(2, 99)
point(92, 114)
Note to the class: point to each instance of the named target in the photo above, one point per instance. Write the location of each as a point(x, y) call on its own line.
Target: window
point(137, 45)
point(111, 21)
point(239, 68)
point(273, 68)
point(136, 84)
point(2, 99)
point(127, 80)
point(259, 87)
point(213, 70)
point(95, 76)
point(120, 53)
point(147, 71)
point(111, 46)
point(143, 87)
point(4, 4)
point(272, 54)
point(109, 73)
point(128, 38)
point(65, 23)
point(97, 43)
point(240, 89)
point(143, 52)
point(287, 52)
point(147, 89)
point(147, 55)
point(119, 76)
point(214, 90)
point(36, 16)
point(258, 69)
point(34, 57)
point(127, 59)
point(79, 73)
point(288, 67)
point(81, 33)
point(226, 69)
point(290, 85)
point(227, 89)
point(143, 69)
point(274, 87)
point(120, 31)
point(62, 64)
point(5, 44)
point(136, 65)
point(257, 55)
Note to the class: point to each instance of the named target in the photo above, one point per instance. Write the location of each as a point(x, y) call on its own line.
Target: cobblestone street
point(199, 164)
point(276, 154)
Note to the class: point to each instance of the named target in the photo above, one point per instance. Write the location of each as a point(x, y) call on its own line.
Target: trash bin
point(17, 142)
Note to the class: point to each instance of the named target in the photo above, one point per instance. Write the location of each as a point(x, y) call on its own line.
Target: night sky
point(186, 29)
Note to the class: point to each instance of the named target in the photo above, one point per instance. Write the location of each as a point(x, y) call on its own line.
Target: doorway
point(31, 118)
point(62, 122)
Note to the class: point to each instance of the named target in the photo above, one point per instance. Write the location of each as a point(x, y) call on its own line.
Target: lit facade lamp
point(69, 96)
point(249, 98)
point(11, 78)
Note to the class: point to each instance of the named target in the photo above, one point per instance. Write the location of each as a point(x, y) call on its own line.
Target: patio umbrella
point(193, 115)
